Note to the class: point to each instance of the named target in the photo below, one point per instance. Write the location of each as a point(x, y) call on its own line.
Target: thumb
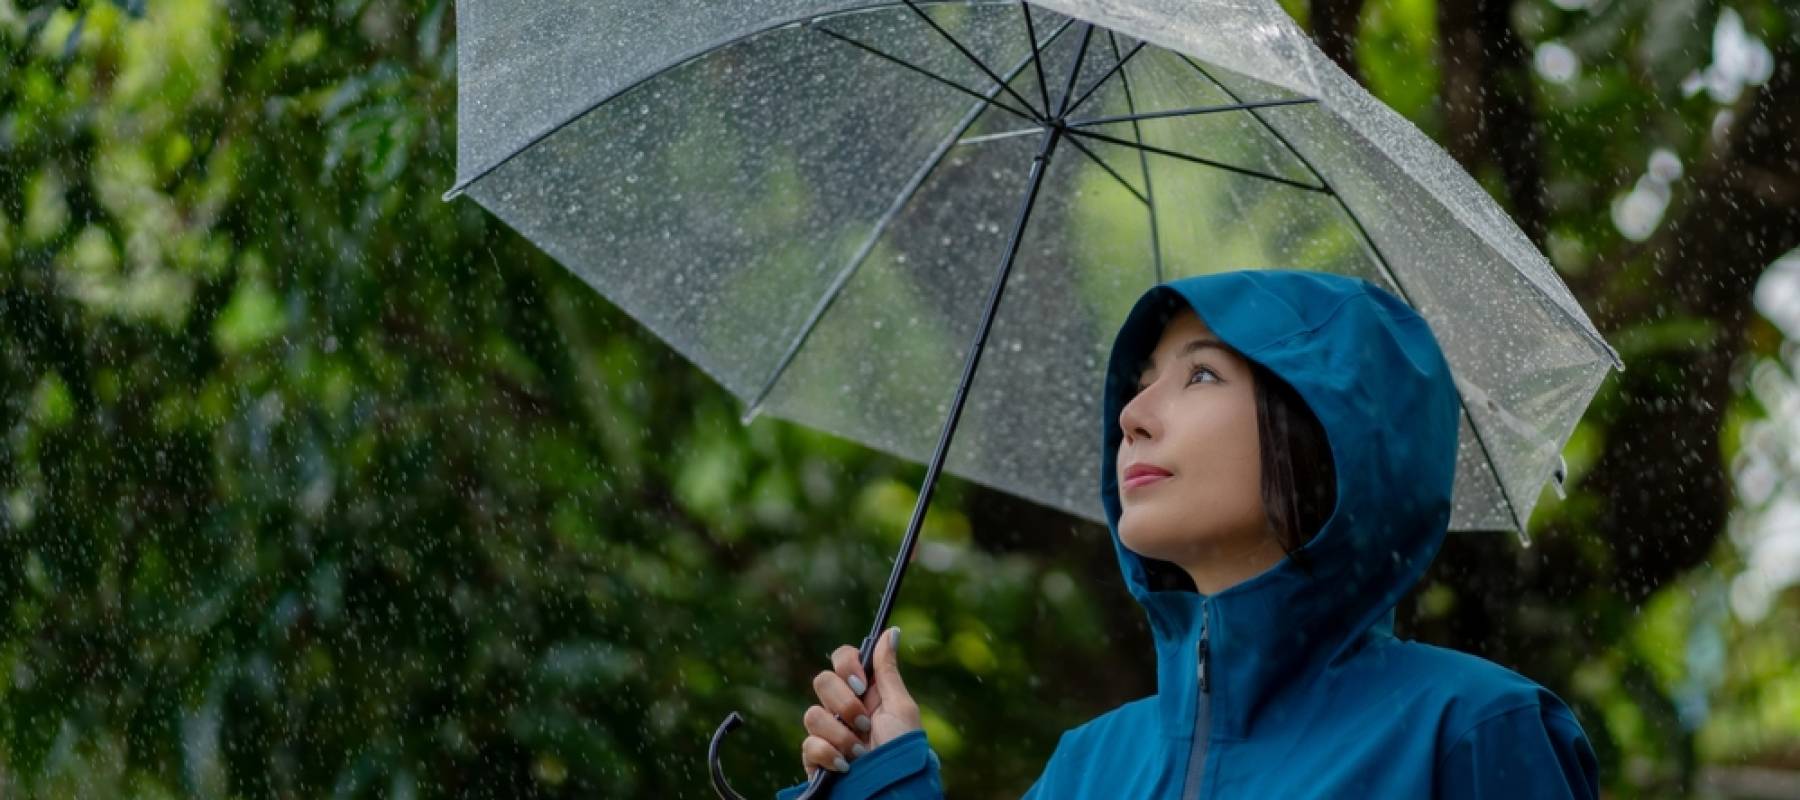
point(887, 668)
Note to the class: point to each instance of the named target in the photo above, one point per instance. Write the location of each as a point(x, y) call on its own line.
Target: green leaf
point(252, 317)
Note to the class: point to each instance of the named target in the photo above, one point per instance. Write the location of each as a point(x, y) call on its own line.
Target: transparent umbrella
point(881, 219)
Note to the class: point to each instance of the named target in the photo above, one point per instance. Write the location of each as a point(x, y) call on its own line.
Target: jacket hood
point(1370, 369)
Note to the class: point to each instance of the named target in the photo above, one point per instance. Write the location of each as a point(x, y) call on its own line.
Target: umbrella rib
point(1143, 158)
point(1109, 170)
point(1117, 67)
point(1506, 496)
point(486, 168)
point(1387, 269)
point(1087, 34)
point(1203, 161)
point(868, 246)
point(1605, 349)
point(989, 137)
point(1036, 54)
point(1189, 112)
point(979, 64)
point(1380, 258)
point(921, 70)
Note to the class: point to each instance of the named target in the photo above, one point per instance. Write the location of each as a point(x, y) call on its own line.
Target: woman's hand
point(864, 720)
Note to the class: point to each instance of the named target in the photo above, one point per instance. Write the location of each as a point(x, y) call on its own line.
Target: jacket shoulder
point(1089, 757)
point(1466, 690)
point(1499, 732)
point(1131, 714)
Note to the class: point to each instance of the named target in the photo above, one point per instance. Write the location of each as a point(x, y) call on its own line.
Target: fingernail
point(894, 638)
point(859, 750)
point(862, 723)
point(857, 685)
point(840, 765)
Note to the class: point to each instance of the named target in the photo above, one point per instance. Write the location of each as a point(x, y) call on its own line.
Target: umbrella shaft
point(1034, 182)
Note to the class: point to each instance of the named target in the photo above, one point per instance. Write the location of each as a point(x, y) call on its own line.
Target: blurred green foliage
point(314, 485)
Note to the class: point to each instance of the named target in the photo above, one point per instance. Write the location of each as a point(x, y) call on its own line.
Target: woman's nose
point(1135, 421)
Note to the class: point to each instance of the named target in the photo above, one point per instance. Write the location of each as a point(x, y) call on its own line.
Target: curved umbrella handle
point(732, 720)
point(865, 654)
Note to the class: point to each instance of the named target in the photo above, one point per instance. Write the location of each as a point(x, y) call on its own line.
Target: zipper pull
point(1204, 667)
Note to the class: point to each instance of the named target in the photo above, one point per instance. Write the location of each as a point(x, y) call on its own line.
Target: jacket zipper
point(1202, 716)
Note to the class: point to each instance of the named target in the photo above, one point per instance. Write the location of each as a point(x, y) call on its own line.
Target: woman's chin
point(1145, 539)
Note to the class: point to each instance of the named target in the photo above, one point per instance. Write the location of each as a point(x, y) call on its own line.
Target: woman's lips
point(1140, 480)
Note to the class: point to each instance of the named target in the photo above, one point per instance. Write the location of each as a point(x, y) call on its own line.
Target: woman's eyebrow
point(1191, 347)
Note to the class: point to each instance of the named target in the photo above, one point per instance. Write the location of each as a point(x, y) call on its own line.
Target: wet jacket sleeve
point(1531, 752)
point(903, 768)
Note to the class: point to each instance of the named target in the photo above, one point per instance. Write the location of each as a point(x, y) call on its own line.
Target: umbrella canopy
point(806, 198)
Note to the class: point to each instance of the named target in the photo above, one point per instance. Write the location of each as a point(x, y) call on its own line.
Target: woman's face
point(1194, 418)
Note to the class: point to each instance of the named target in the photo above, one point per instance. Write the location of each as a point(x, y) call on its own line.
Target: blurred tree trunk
point(1740, 213)
point(1488, 103)
point(1334, 28)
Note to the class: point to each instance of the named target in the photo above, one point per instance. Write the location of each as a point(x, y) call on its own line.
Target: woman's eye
point(1198, 371)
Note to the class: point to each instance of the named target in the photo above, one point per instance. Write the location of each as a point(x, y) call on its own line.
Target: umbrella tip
point(452, 194)
point(750, 413)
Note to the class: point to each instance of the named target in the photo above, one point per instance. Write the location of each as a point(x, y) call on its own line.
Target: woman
point(1277, 460)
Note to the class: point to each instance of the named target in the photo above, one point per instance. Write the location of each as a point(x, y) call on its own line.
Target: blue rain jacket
point(1292, 684)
